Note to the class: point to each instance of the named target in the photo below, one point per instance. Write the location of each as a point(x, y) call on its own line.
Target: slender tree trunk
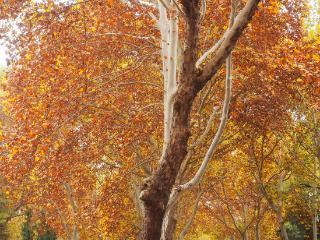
point(244, 235)
point(64, 224)
point(280, 201)
point(314, 220)
point(172, 224)
point(315, 228)
point(245, 213)
point(169, 224)
point(257, 230)
point(187, 227)
point(283, 230)
point(279, 213)
point(75, 234)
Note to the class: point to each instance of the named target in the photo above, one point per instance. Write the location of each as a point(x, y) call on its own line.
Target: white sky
point(3, 56)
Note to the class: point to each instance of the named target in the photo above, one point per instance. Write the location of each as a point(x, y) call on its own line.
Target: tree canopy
point(161, 119)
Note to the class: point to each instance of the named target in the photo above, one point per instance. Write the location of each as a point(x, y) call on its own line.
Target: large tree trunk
point(156, 189)
point(151, 222)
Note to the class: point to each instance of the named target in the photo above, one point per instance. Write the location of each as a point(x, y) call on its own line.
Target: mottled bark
point(157, 188)
point(171, 224)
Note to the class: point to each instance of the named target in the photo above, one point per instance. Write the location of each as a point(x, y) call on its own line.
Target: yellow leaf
point(124, 64)
point(81, 71)
point(316, 57)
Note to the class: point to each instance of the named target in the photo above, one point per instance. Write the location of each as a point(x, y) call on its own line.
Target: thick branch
point(197, 177)
point(224, 116)
point(229, 41)
point(156, 189)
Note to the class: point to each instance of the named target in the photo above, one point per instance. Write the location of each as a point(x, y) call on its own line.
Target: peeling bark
point(156, 189)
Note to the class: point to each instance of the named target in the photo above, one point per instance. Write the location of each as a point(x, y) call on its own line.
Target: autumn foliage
point(82, 120)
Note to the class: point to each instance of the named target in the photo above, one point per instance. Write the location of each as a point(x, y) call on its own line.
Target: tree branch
point(228, 41)
point(190, 220)
point(197, 177)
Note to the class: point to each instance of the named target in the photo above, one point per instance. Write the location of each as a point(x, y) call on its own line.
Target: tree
point(157, 188)
point(85, 103)
point(177, 108)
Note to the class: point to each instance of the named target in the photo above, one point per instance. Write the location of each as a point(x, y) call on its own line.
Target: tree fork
point(156, 189)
